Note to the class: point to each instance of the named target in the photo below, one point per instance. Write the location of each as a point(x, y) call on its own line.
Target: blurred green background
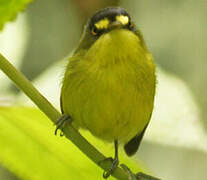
point(175, 31)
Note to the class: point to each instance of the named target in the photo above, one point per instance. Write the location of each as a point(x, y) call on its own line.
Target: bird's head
point(106, 21)
point(109, 19)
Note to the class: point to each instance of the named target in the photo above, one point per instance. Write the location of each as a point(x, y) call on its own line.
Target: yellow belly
point(110, 94)
point(110, 106)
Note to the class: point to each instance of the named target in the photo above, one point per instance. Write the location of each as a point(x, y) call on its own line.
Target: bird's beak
point(115, 24)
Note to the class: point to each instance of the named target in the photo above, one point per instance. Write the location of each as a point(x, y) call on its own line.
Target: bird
point(109, 82)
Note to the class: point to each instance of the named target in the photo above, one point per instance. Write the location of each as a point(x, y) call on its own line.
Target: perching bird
point(109, 83)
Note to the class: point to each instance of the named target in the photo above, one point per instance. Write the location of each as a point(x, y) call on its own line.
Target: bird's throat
point(116, 46)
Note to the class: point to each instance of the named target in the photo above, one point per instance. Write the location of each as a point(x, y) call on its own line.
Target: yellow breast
point(110, 90)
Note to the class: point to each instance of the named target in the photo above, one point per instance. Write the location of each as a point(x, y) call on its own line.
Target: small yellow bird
point(109, 83)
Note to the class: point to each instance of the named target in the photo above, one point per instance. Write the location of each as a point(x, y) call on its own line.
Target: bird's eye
point(94, 31)
point(131, 25)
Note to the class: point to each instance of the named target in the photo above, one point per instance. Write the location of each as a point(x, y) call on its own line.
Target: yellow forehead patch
point(102, 24)
point(123, 19)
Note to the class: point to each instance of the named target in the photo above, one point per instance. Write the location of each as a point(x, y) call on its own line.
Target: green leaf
point(9, 10)
point(29, 148)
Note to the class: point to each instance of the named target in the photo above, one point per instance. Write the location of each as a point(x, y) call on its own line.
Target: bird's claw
point(114, 165)
point(61, 123)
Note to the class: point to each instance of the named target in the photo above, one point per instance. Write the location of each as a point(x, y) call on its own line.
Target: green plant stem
point(71, 133)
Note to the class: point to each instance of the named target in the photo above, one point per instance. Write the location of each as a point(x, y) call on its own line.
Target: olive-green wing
point(133, 145)
point(61, 105)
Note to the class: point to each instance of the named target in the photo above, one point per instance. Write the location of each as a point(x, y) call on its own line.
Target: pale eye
point(131, 25)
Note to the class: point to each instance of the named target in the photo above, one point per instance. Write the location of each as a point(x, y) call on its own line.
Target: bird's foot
point(114, 165)
point(61, 122)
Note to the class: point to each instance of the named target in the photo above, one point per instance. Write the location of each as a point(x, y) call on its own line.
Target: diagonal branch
point(44, 105)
